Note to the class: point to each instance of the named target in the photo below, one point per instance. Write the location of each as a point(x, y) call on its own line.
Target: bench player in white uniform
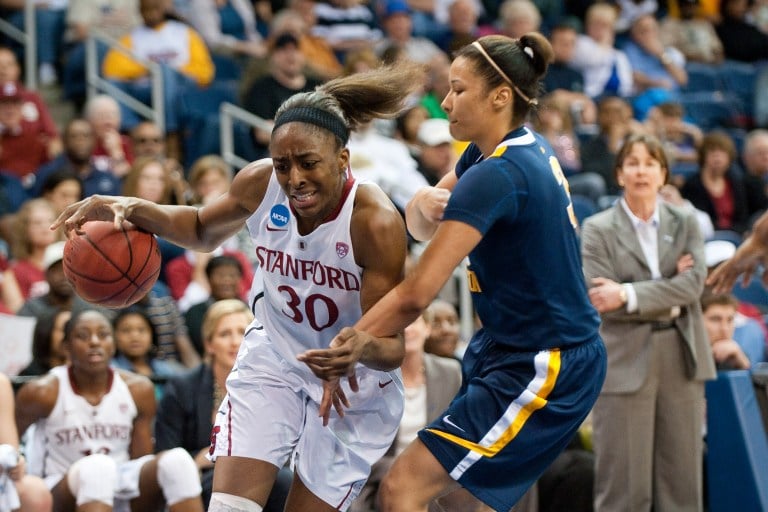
point(92, 440)
point(328, 249)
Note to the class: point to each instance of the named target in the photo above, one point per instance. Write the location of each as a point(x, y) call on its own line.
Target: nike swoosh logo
point(447, 421)
point(385, 384)
point(270, 228)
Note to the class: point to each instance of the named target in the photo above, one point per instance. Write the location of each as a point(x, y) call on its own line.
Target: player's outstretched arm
point(750, 254)
point(425, 210)
point(201, 229)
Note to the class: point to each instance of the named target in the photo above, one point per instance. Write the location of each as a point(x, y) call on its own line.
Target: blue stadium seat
point(702, 78)
point(739, 79)
point(754, 293)
point(583, 207)
point(737, 449)
point(711, 110)
point(199, 118)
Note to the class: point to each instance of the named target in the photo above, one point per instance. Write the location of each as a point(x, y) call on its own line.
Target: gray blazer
point(610, 249)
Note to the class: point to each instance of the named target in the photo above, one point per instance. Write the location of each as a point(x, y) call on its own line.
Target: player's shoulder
point(250, 183)
point(372, 204)
point(137, 384)
point(43, 390)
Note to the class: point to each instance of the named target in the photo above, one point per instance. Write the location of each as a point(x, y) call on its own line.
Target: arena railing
point(98, 84)
point(27, 38)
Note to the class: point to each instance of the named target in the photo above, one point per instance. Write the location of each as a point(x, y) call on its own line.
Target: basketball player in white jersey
point(328, 249)
point(92, 439)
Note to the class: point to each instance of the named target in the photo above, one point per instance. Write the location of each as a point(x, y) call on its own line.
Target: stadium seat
point(754, 293)
point(739, 79)
point(737, 448)
point(711, 110)
point(199, 118)
point(583, 207)
point(702, 78)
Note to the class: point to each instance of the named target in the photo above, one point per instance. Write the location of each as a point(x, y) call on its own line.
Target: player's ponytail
point(343, 104)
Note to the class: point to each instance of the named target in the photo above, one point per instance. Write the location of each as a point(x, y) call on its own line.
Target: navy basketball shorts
point(514, 414)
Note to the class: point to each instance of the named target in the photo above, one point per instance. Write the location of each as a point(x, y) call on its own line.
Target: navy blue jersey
point(525, 274)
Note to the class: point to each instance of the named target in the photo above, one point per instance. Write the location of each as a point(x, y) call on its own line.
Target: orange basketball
point(110, 267)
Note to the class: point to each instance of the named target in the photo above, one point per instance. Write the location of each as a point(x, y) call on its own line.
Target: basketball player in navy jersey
point(329, 247)
point(533, 371)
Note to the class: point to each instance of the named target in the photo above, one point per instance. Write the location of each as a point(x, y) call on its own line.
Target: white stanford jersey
point(306, 288)
point(75, 428)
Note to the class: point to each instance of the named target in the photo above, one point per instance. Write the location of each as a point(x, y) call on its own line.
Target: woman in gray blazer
point(644, 262)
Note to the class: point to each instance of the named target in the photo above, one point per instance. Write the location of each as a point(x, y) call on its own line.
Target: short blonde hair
point(219, 310)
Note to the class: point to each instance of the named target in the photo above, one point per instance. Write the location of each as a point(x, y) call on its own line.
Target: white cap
point(433, 132)
point(717, 251)
point(53, 254)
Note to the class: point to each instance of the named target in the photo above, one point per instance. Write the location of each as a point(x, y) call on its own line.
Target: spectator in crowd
point(430, 383)
point(692, 34)
point(136, 346)
point(681, 138)
point(113, 18)
point(47, 347)
point(564, 81)
point(31, 238)
point(113, 151)
point(150, 179)
point(10, 294)
point(644, 263)
point(407, 126)
point(190, 401)
point(34, 107)
point(554, 122)
point(228, 28)
point(61, 188)
point(518, 17)
point(462, 27)
point(147, 140)
point(720, 312)
point(598, 153)
point(298, 19)
point(60, 292)
point(224, 274)
point(444, 335)
point(398, 32)
point(26, 143)
point(717, 188)
point(436, 156)
point(632, 10)
point(346, 24)
point(754, 158)
point(658, 72)
point(671, 194)
point(12, 196)
point(606, 69)
point(19, 491)
point(78, 157)
point(285, 78)
point(88, 395)
point(741, 39)
point(184, 60)
point(437, 86)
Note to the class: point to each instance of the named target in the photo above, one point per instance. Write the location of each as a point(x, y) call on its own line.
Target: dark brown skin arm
point(143, 392)
point(201, 229)
point(750, 254)
point(35, 401)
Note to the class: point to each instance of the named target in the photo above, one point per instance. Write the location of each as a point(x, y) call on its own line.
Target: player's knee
point(177, 476)
point(93, 479)
point(34, 495)
point(223, 502)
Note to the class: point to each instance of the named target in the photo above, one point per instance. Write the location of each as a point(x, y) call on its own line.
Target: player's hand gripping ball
point(110, 267)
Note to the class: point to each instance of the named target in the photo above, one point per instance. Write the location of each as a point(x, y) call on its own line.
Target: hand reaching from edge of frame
point(96, 207)
point(744, 262)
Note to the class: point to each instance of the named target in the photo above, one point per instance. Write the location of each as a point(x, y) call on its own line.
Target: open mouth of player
point(95, 357)
point(304, 200)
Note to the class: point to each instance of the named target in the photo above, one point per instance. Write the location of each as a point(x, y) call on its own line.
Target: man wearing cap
point(398, 32)
point(437, 156)
point(24, 144)
point(60, 293)
point(286, 77)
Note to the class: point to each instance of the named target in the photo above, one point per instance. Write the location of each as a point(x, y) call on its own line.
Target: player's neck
point(91, 385)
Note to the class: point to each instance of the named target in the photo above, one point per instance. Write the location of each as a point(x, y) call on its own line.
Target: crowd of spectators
point(621, 67)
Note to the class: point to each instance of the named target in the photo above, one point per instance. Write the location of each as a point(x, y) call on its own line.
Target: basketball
point(110, 267)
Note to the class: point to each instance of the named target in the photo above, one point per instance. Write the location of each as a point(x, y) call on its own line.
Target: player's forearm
point(177, 224)
point(385, 353)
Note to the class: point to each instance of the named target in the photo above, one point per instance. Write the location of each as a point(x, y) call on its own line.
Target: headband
point(318, 117)
point(528, 51)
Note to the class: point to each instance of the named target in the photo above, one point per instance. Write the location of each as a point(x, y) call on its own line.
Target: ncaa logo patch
point(279, 216)
point(342, 249)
